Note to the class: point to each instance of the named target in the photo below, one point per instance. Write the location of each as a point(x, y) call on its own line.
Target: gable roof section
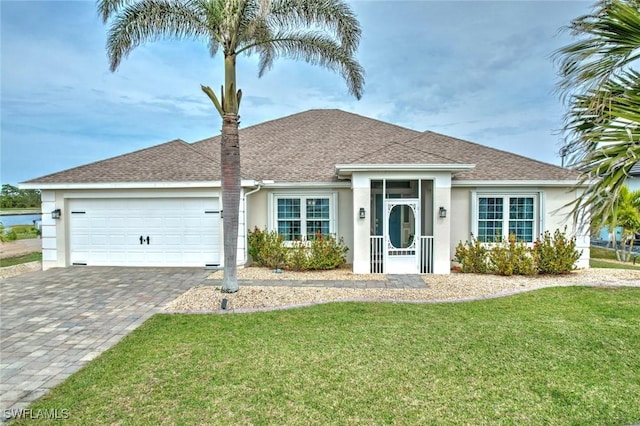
point(175, 161)
point(491, 164)
point(305, 148)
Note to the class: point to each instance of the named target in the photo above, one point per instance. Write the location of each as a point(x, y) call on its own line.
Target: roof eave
point(537, 182)
point(346, 170)
point(127, 185)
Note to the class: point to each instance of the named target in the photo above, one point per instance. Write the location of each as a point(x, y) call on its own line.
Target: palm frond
point(315, 48)
point(610, 42)
point(607, 142)
point(108, 8)
point(333, 15)
point(150, 20)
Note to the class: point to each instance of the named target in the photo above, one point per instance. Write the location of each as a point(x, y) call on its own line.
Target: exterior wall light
point(55, 214)
point(362, 213)
point(442, 212)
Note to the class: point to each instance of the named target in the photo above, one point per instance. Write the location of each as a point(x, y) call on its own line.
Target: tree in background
point(602, 92)
point(626, 216)
point(320, 32)
point(13, 198)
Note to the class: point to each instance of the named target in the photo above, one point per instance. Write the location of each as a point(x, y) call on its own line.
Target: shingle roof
point(175, 161)
point(491, 163)
point(306, 147)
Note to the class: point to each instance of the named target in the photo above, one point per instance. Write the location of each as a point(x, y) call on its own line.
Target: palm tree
point(320, 32)
point(626, 216)
point(602, 90)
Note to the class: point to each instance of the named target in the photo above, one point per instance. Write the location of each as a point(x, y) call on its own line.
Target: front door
point(401, 228)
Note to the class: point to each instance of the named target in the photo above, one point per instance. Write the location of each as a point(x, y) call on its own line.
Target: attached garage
point(144, 231)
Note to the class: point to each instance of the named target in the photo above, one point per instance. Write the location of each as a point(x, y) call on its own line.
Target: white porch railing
point(377, 254)
point(425, 245)
point(426, 255)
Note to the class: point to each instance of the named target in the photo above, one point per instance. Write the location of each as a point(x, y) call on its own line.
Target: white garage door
point(144, 232)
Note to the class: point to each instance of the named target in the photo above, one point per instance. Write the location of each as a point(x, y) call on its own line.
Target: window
point(501, 216)
point(302, 217)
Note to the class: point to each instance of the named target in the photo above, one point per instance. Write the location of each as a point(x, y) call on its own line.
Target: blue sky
point(476, 70)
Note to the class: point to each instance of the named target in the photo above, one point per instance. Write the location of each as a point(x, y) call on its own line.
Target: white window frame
point(303, 196)
point(538, 199)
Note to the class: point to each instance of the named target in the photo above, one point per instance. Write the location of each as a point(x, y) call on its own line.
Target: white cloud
point(476, 70)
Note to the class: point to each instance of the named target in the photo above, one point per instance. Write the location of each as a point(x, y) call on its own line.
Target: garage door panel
point(180, 233)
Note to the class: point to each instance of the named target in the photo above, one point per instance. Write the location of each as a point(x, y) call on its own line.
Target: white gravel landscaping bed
point(340, 274)
point(12, 271)
point(453, 287)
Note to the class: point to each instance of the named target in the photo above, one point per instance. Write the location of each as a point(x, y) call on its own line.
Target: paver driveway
point(56, 321)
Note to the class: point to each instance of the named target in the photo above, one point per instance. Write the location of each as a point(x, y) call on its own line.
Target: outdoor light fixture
point(442, 212)
point(56, 214)
point(362, 213)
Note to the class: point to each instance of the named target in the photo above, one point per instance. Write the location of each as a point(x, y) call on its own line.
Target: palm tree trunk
point(230, 164)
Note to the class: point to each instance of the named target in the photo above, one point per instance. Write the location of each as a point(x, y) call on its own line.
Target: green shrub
point(298, 256)
point(322, 252)
point(472, 256)
point(326, 252)
point(266, 248)
point(512, 258)
point(557, 254)
point(255, 242)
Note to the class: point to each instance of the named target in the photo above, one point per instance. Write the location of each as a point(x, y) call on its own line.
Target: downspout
point(244, 201)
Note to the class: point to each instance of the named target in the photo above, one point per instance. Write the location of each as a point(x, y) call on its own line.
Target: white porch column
point(442, 226)
point(361, 189)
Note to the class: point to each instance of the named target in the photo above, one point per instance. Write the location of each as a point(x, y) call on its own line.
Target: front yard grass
point(598, 263)
point(606, 258)
point(553, 356)
point(35, 256)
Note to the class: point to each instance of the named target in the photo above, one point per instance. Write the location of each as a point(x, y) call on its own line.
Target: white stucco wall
point(553, 212)
point(261, 213)
point(361, 183)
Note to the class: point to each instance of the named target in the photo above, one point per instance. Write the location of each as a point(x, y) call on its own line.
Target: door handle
point(148, 240)
point(141, 239)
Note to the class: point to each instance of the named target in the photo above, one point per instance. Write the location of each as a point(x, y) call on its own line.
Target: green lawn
point(555, 356)
point(600, 257)
point(25, 258)
point(597, 263)
point(602, 253)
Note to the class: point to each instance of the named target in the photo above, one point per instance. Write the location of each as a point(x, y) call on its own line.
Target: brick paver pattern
point(54, 322)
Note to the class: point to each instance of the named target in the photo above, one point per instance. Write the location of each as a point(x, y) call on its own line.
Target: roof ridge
point(430, 152)
point(307, 112)
point(403, 143)
point(204, 154)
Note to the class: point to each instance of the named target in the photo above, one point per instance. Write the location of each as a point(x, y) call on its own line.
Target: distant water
point(19, 219)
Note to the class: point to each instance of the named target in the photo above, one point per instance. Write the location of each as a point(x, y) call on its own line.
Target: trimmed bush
point(512, 258)
point(327, 252)
point(557, 254)
point(266, 248)
point(298, 256)
point(472, 256)
point(322, 252)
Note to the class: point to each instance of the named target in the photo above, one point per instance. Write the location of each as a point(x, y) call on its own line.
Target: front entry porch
point(400, 223)
point(401, 239)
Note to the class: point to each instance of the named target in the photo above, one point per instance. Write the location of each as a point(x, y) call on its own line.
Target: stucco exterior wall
point(260, 212)
point(440, 229)
point(553, 213)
